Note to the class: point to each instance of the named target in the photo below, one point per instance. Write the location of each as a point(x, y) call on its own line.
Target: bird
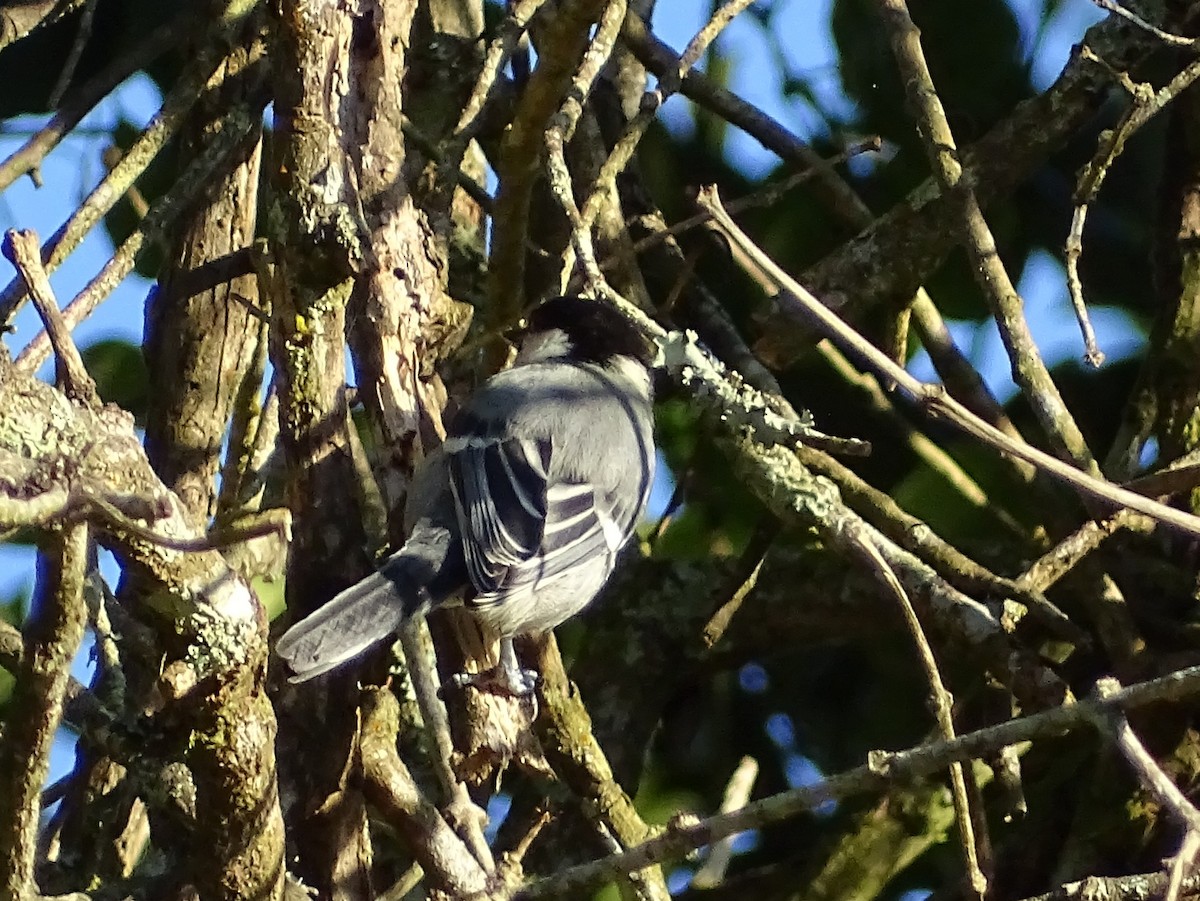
point(520, 515)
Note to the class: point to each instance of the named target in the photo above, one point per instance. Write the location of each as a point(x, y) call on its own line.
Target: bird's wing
point(519, 526)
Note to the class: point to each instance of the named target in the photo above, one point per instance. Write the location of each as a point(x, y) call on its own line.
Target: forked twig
point(1145, 104)
point(1115, 725)
point(24, 252)
point(941, 702)
point(881, 770)
point(1007, 307)
point(932, 397)
point(668, 84)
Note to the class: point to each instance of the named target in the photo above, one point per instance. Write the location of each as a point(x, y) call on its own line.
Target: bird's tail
point(360, 616)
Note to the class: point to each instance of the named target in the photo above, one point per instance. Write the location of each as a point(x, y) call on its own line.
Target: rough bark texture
point(202, 334)
point(774, 610)
point(316, 231)
point(36, 708)
point(52, 446)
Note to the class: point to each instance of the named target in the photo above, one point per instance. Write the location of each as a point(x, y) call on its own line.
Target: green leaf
point(120, 374)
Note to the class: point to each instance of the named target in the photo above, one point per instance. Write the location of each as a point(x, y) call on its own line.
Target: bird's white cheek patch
point(539, 346)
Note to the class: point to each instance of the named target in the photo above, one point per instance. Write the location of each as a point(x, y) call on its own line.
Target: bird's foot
point(499, 679)
point(506, 677)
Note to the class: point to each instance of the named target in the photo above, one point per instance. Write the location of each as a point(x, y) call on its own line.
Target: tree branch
point(35, 710)
point(203, 73)
point(883, 768)
point(902, 248)
point(931, 397)
point(1029, 371)
point(563, 44)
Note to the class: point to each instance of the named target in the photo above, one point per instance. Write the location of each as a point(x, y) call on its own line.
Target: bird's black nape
point(597, 330)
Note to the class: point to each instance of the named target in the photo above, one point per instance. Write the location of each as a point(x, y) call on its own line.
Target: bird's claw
point(499, 680)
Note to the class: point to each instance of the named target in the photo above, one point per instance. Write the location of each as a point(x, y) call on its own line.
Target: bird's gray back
point(606, 445)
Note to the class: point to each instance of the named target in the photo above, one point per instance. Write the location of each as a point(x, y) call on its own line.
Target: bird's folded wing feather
point(519, 526)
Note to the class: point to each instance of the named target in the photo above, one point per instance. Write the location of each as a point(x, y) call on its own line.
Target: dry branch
point(931, 397)
point(21, 248)
point(1029, 371)
point(882, 769)
point(35, 710)
point(205, 72)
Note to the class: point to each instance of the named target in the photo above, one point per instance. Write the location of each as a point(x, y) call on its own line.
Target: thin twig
point(932, 397)
point(940, 701)
point(246, 422)
point(82, 35)
point(207, 71)
point(1072, 250)
point(928, 451)
point(744, 404)
point(829, 186)
point(772, 134)
point(276, 521)
point(263, 453)
point(465, 180)
point(882, 769)
point(465, 815)
point(542, 815)
point(1064, 556)
point(1115, 724)
point(668, 84)
point(238, 125)
point(963, 379)
point(745, 579)
point(508, 35)
point(768, 195)
point(1176, 477)
point(1113, 7)
point(400, 889)
point(915, 536)
point(22, 250)
point(564, 41)
point(110, 157)
point(1029, 370)
point(64, 505)
point(559, 133)
point(1145, 104)
point(110, 682)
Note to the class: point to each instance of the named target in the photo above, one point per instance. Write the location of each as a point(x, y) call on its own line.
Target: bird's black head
point(595, 330)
